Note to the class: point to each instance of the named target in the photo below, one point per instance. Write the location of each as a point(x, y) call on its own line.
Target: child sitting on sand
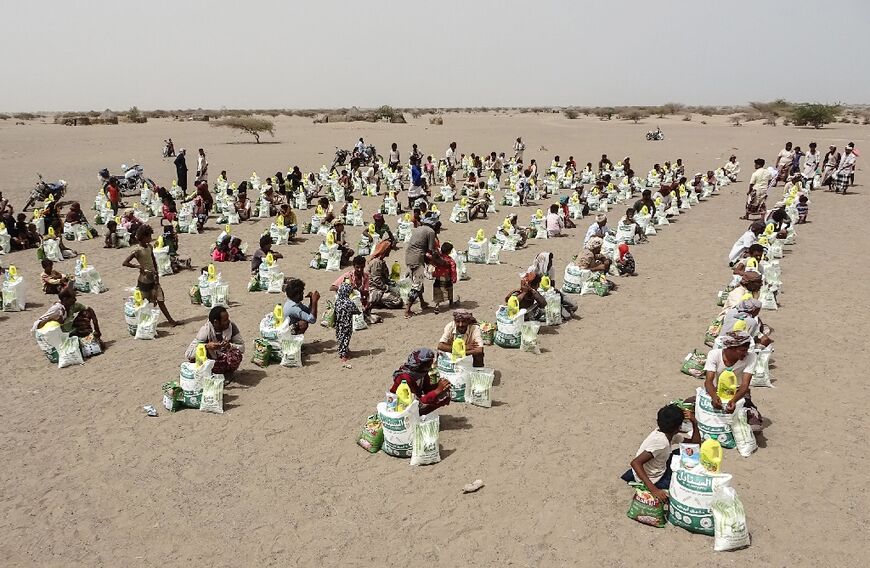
point(236, 253)
point(221, 252)
point(652, 462)
point(52, 280)
point(112, 240)
point(625, 264)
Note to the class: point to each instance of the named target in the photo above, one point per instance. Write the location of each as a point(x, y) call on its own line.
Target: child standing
point(652, 462)
point(803, 209)
point(149, 280)
point(445, 277)
point(625, 264)
point(345, 309)
point(429, 168)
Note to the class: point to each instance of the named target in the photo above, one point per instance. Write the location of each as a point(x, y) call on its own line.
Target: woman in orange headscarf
point(382, 291)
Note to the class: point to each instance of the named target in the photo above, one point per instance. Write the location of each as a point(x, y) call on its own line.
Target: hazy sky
point(61, 55)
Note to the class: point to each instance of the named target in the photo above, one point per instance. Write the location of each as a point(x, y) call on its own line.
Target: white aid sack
point(742, 431)
point(399, 429)
point(424, 444)
point(575, 278)
point(507, 333)
point(761, 373)
point(730, 531)
point(13, 294)
point(164, 262)
point(146, 327)
point(691, 497)
point(529, 337)
point(478, 251)
point(69, 353)
point(478, 390)
point(455, 372)
point(714, 423)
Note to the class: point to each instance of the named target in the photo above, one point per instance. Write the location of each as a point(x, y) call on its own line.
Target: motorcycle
point(43, 190)
point(168, 149)
point(656, 134)
point(130, 183)
point(368, 155)
point(339, 159)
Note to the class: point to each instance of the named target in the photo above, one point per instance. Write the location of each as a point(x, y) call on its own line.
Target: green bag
point(371, 437)
point(172, 396)
point(645, 508)
point(328, 319)
point(254, 284)
point(262, 353)
point(600, 287)
point(693, 364)
point(195, 295)
point(713, 331)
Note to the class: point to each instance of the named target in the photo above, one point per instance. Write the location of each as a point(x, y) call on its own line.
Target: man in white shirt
point(732, 168)
point(845, 169)
point(450, 159)
point(812, 159)
point(201, 167)
point(360, 146)
point(756, 196)
point(746, 240)
point(519, 148)
point(783, 163)
point(597, 229)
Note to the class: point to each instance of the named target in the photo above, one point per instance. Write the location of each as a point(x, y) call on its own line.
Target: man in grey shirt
point(422, 241)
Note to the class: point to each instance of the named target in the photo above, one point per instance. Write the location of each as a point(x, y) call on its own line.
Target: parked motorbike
point(131, 182)
point(42, 190)
point(339, 159)
point(656, 134)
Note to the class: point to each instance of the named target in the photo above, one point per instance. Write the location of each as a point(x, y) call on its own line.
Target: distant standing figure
point(519, 148)
point(845, 170)
point(201, 167)
point(181, 169)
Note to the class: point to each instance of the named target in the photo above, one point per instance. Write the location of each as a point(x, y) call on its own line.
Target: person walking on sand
point(201, 167)
point(845, 170)
point(149, 280)
point(181, 169)
point(519, 148)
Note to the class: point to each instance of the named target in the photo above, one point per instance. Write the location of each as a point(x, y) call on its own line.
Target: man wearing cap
point(463, 326)
point(597, 229)
point(181, 170)
point(845, 170)
point(421, 243)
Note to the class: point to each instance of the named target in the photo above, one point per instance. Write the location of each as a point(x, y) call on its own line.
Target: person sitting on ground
point(383, 230)
point(444, 277)
point(628, 219)
point(597, 229)
point(750, 283)
point(529, 298)
point(57, 312)
point(592, 259)
point(652, 461)
point(236, 253)
point(221, 251)
point(803, 209)
point(554, 222)
point(130, 222)
point(75, 215)
point(747, 311)
point(746, 240)
point(169, 209)
point(625, 264)
point(223, 342)
point(52, 280)
point(290, 221)
point(74, 318)
point(312, 188)
point(731, 168)
point(755, 251)
point(645, 200)
point(32, 238)
point(260, 254)
point(478, 202)
point(346, 252)
point(543, 266)
point(780, 220)
point(515, 229)
point(416, 373)
point(243, 205)
point(736, 357)
point(464, 326)
point(300, 315)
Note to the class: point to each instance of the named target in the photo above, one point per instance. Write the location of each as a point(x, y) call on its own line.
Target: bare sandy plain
point(277, 480)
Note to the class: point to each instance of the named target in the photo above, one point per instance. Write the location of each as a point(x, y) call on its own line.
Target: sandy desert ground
point(277, 480)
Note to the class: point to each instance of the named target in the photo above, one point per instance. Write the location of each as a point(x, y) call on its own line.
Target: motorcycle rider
point(181, 170)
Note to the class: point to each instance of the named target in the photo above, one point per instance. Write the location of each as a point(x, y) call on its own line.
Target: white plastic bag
point(478, 251)
point(276, 283)
point(767, 298)
point(424, 445)
point(730, 531)
point(164, 263)
point(291, 350)
point(761, 373)
point(478, 390)
point(714, 423)
point(742, 431)
point(51, 249)
point(69, 353)
point(13, 295)
point(529, 337)
point(212, 399)
point(146, 328)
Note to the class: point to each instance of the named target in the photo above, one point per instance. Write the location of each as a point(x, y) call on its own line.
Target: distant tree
point(815, 115)
point(385, 112)
point(133, 114)
point(571, 113)
point(736, 119)
point(248, 124)
point(605, 113)
point(673, 108)
point(635, 115)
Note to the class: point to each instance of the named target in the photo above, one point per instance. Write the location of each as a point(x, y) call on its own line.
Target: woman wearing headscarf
point(515, 229)
point(223, 342)
point(382, 294)
point(345, 309)
point(747, 312)
point(625, 264)
point(422, 379)
point(465, 326)
point(750, 283)
point(383, 230)
point(543, 265)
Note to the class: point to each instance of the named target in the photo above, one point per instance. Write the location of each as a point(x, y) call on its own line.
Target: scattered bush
point(25, 116)
point(4, 116)
point(770, 121)
point(634, 115)
point(736, 119)
point(815, 115)
point(571, 113)
point(672, 108)
point(250, 125)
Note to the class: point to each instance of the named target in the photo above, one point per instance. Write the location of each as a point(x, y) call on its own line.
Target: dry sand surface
point(277, 480)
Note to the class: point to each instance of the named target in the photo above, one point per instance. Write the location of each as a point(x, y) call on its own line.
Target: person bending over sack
point(750, 283)
point(755, 251)
point(223, 342)
point(747, 311)
point(431, 392)
point(464, 326)
point(652, 462)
